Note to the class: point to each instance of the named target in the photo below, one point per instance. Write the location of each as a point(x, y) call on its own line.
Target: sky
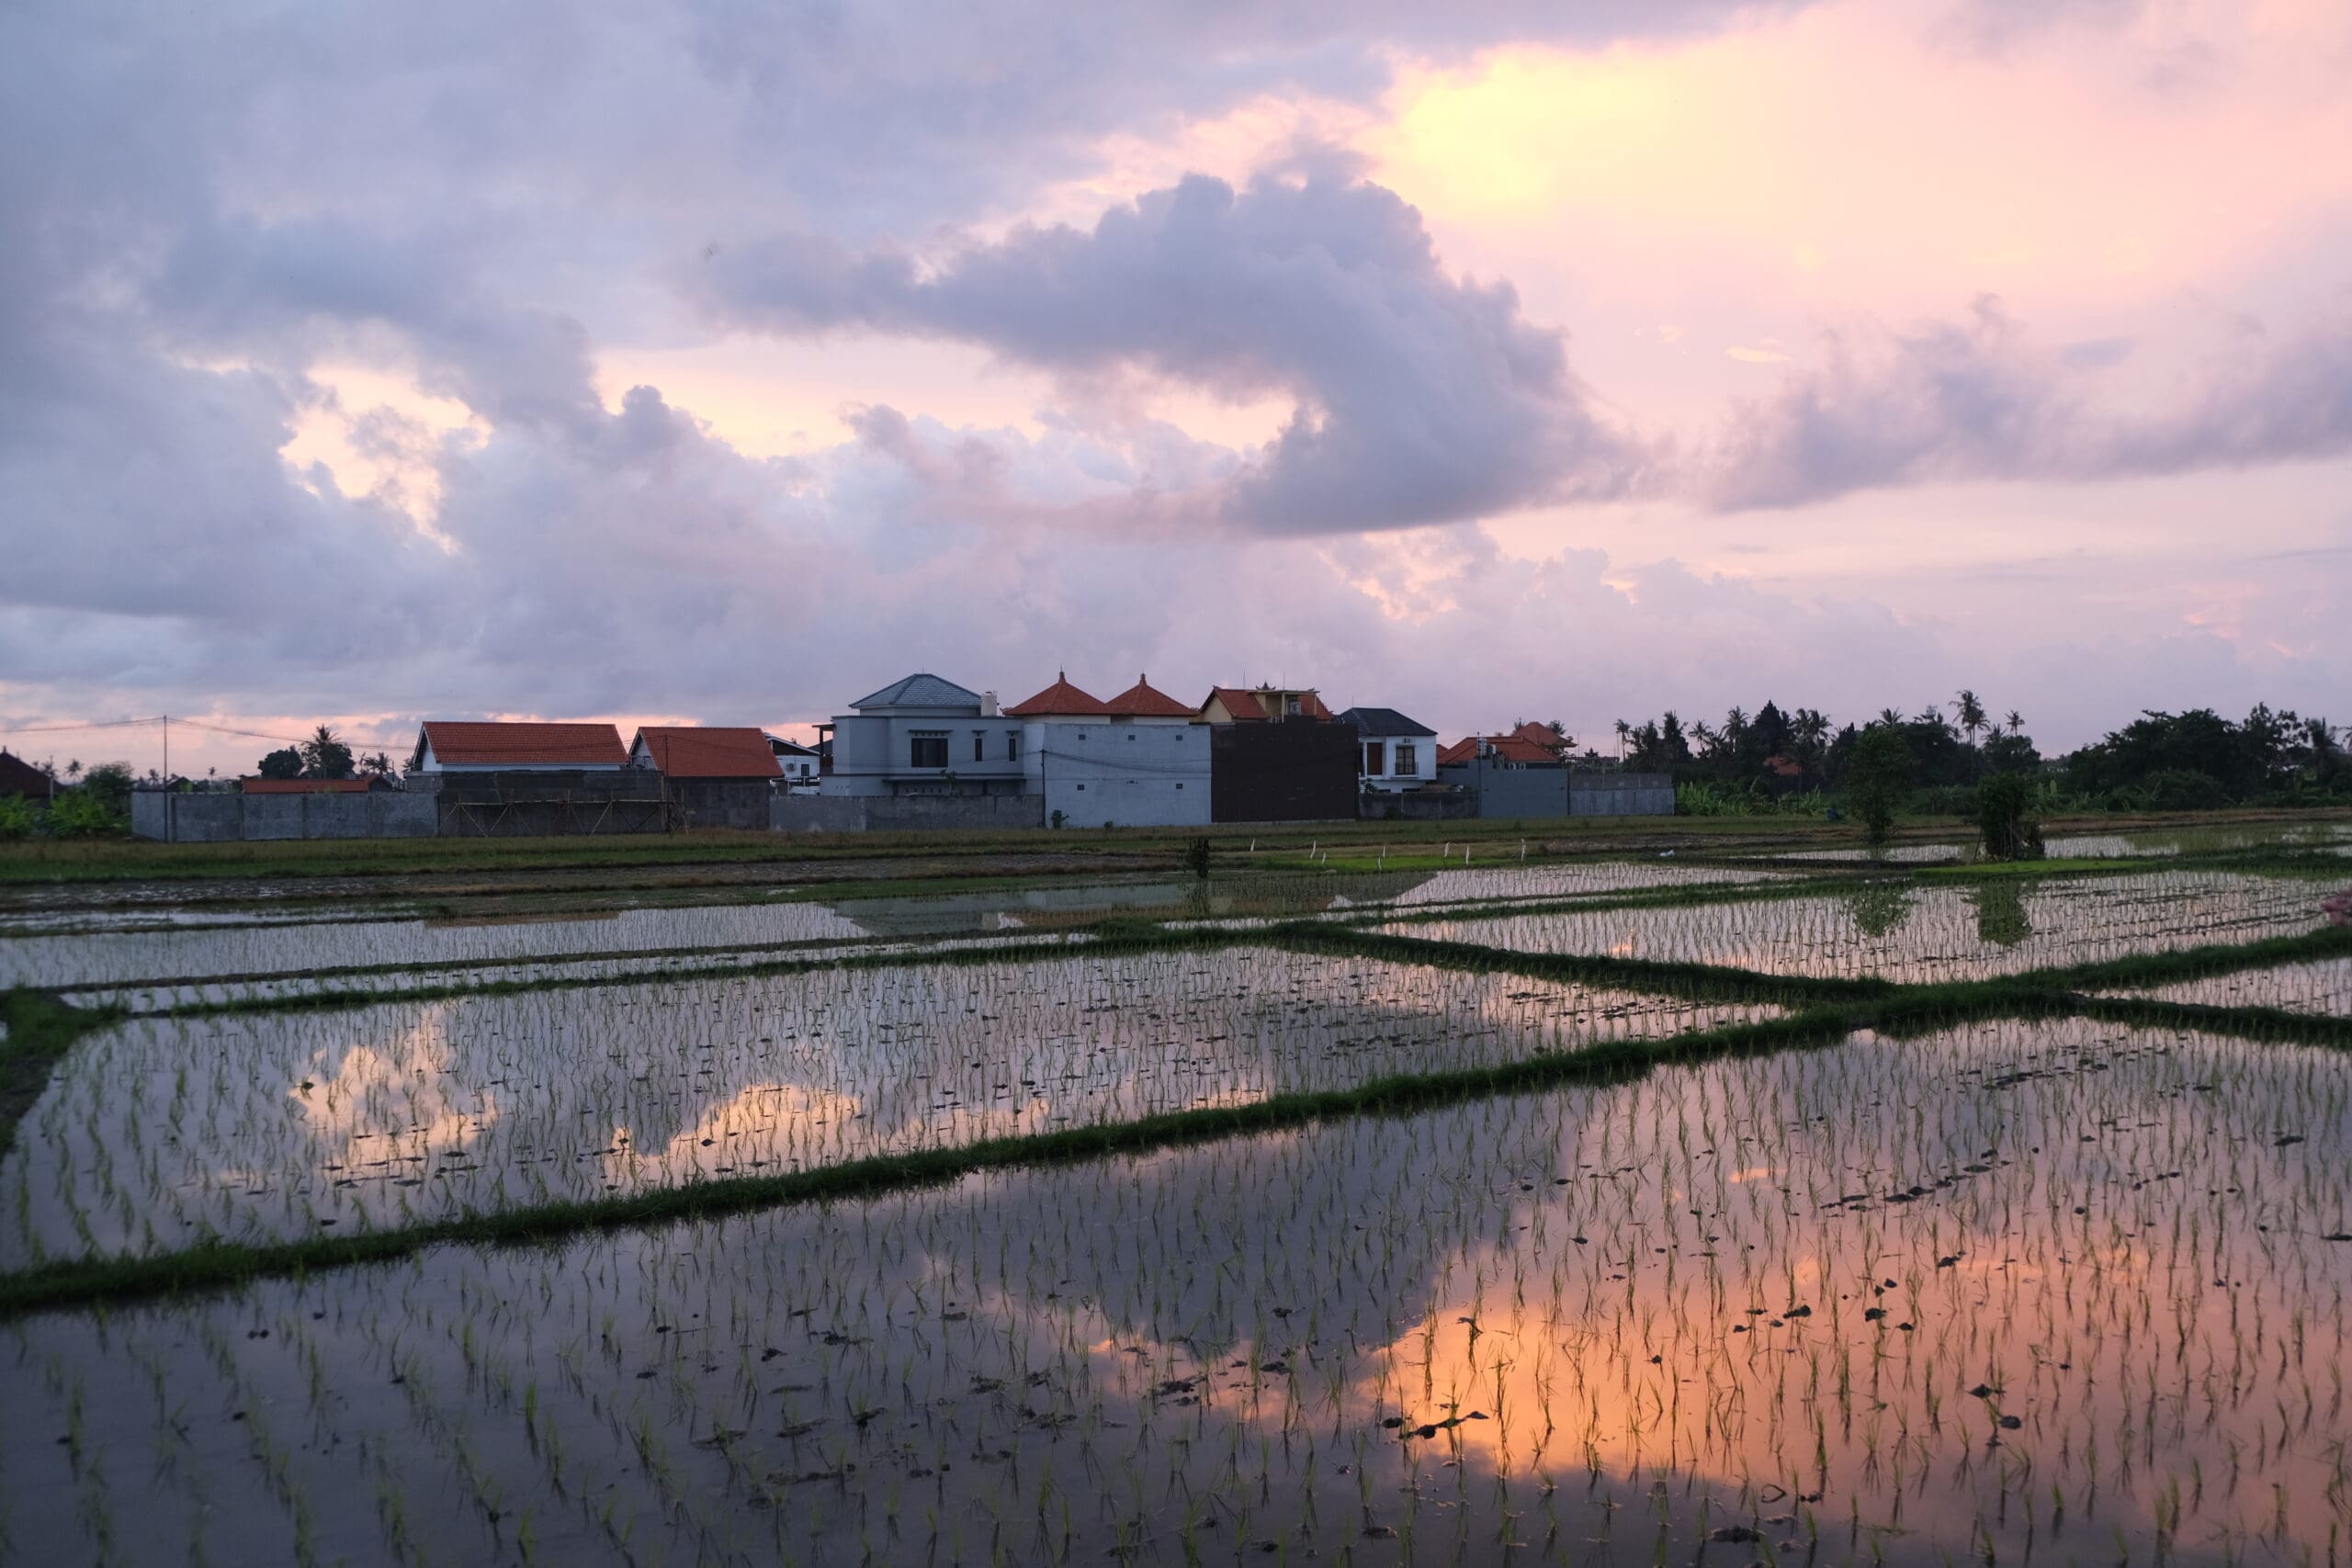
point(720, 362)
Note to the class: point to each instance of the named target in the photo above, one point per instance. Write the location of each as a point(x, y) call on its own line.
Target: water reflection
point(2031, 1290)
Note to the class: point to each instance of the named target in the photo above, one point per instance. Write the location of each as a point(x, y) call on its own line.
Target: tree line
point(2159, 761)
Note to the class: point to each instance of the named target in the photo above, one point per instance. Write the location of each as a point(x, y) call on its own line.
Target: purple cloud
point(1421, 398)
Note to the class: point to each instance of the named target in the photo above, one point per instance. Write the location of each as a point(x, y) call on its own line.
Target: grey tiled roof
point(1383, 722)
point(920, 690)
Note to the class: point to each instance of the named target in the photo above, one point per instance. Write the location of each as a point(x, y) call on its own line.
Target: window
point(1374, 756)
point(979, 746)
point(1408, 758)
point(927, 748)
point(1012, 746)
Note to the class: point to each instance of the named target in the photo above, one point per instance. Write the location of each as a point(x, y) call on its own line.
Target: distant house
point(1140, 760)
point(687, 751)
point(449, 746)
point(364, 784)
point(923, 735)
point(1399, 753)
point(20, 777)
point(1277, 756)
point(1528, 746)
point(799, 764)
point(1257, 705)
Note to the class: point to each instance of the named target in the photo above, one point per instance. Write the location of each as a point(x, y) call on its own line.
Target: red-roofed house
point(1235, 705)
point(1143, 700)
point(1061, 700)
point(1512, 750)
point(1140, 761)
point(20, 777)
point(447, 746)
point(690, 751)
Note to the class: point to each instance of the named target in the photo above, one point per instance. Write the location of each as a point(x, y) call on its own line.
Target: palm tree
point(1970, 714)
point(1624, 729)
point(1891, 716)
point(2016, 721)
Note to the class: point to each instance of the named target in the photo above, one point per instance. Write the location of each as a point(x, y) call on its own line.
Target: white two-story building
point(1140, 760)
point(1399, 753)
point(923, 735)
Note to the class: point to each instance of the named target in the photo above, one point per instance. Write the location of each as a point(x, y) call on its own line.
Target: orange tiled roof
point(1501, 748)
point(692, 751)
point(1238, 703)
point(1142, 699)
point(1536, 734)
point(469, 744)
point(1061, 700)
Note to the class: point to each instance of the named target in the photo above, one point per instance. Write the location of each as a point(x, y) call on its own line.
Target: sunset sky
point(722, 362)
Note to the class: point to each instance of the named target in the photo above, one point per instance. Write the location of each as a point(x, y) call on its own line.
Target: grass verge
point(40, 1031)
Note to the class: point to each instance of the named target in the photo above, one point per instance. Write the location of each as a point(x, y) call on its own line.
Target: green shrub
point(82, 813)
point(1877, 781)
point(16, 818)
point(2005, 806)
point(2184, 789)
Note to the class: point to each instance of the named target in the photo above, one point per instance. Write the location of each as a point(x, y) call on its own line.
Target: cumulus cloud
point(1981, 398)
point(1420, 396)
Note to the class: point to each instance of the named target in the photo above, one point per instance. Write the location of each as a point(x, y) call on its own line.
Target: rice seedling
point(2036, 1288)
point(1911, 934)
point(166, 1133)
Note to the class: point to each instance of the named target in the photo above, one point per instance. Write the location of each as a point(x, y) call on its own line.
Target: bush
point(80, 814)
point(2184, 789)
point(1877, 780)
point(16, 818)
point(2005, 804)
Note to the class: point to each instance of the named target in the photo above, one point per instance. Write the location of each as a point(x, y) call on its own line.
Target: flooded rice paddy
point(162, 1131)
point(1996, 1288)
point(1911, 934)
point(2051, 1292)
point(2324, 986)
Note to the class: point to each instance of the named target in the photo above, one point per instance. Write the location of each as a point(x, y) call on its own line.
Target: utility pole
point(167, 748)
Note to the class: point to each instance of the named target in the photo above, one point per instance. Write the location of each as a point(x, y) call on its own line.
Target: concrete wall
point(1509, 792)
point(902, 812)
point(1622, 795)
point(1417, 805)
point(721, 803)
point(1295, 771)
point(1146, 774)
point(224, 819)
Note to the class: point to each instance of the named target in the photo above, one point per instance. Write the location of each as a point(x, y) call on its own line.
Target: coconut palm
point(1970, 714)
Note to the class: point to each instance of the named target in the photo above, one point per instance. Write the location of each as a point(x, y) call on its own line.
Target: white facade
point(926, 735)
point(799, 763)
point(1144, 772)
point(1397, 761)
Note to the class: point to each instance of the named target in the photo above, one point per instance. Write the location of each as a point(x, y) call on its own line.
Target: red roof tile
point(482, 745)
point(694, 752)
point(1060, 700)
point(1536, 734)
point(1500, 747)
point(1238, 703)
point(1142, 699)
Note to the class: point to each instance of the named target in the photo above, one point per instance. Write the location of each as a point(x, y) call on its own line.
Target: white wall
point(871, 752)
point(1389, 776)
point(1144, 772)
